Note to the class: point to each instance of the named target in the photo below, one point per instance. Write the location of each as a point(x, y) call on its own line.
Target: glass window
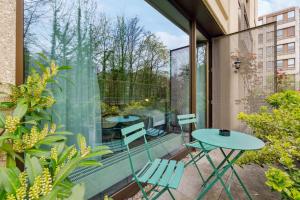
point(260, 22)
point(270, 64)
point(279, 33)
point(260, 53)
point(279, 48)
point(279, 63)
point(270, 36)
point(279, 17)
point(291, 31)
point(121, 74)
point(291, 14)
point(291, 62)
point(260, 38)
point(270, 51)
point(291, 46)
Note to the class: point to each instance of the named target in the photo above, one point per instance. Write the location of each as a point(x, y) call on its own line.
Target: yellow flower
point(49, 101)
point(53, 68)
point(31, 139)
point(11, 197)
point(35, 190)
point(52, 129)
point(18, 146)
point(21, 193)
point(53, 153)
point(44, 132)
point(46, 181)
point(83, 147)
point(11, 123)
point(23, 179)
point(72, 153)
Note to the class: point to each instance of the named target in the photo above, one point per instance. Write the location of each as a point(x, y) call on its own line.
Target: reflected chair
point(189, 119)
point(161, 174)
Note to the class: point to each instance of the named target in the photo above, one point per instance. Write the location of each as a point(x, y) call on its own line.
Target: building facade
point(287, 48)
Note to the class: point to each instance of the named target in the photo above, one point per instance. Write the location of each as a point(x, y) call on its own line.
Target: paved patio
point(252, 176)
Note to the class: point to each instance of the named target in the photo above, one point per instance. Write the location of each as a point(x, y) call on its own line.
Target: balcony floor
point(252, 176)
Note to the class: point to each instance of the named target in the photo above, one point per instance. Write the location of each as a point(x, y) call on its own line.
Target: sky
point(152, 20)
point(268, 6)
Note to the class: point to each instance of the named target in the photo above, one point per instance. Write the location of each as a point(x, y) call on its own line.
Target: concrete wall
point(7, 47)
point(226, 11)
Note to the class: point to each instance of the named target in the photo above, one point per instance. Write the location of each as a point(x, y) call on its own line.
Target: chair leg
point(193, 160)
point(171, 194)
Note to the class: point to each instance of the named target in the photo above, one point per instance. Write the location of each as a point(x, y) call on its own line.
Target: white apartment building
point(287, 47)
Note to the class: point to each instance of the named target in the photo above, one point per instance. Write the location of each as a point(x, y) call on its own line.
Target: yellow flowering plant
point(27, 134)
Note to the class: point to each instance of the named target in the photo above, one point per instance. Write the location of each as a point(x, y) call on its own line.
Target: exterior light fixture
point(237, 65)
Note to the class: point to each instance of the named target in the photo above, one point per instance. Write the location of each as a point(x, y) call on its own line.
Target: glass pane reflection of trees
point(120, 75)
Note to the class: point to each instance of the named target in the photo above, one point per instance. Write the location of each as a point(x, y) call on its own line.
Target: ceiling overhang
point(181, 12)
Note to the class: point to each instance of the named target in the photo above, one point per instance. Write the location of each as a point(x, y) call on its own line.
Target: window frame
point(291, 65)
point(292, 11)
point(281, 19)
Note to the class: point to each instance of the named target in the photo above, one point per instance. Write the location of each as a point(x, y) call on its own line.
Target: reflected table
point(237, 143)
point(122, 119)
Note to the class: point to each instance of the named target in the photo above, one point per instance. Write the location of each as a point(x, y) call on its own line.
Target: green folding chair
point(161, 174)
point(187, 120)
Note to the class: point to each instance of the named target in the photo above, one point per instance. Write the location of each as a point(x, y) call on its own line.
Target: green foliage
point(28, 132)
point(279, 126)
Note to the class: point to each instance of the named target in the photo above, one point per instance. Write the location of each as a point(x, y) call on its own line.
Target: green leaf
point(9, 179)
point(6, 105)
point(43, 56)
point(20, 110)
point(8, 149)
point(98, 153)
point(41, 66)
point(51, 196)
point(38, 152)
point(89, 163)
point(33, 168)
point(65, 154)
point(50, 139)
point(77, 192)
point(2, 120)
point(63, 133)
point(64, 68)
point(66, 170)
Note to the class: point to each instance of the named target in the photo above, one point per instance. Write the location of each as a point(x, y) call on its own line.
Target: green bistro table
point(236, 142)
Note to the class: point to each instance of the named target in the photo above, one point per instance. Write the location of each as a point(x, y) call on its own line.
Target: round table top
point(236, 140)
point(122, 119)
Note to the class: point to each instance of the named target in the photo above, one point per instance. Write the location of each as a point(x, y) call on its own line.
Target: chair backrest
point(185, 120)
point(132, 133)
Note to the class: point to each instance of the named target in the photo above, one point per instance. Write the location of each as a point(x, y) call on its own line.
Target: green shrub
point(29, 136)
point(279, 126)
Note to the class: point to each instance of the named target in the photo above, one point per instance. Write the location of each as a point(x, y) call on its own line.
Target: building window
point(291, 63)
point(291, 46)
point(270, 64)
point(279, 33)
point(270, 36)
point(279, 17)
point(260, 38)
point(291, 14)
point(260, 22)
point(270, 51)
point(279, 48)
point(291, 31)
point(279, 63)
point(260, 53)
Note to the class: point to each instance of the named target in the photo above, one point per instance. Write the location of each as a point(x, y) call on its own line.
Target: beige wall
point(7, 40)
point(7, 47)
point(226, 11)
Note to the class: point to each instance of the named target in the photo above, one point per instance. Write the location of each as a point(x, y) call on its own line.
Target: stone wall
point(7, 47)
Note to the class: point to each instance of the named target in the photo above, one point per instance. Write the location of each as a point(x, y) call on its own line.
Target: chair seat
point(161, 172)
point(196, 145)
point(154, 132)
